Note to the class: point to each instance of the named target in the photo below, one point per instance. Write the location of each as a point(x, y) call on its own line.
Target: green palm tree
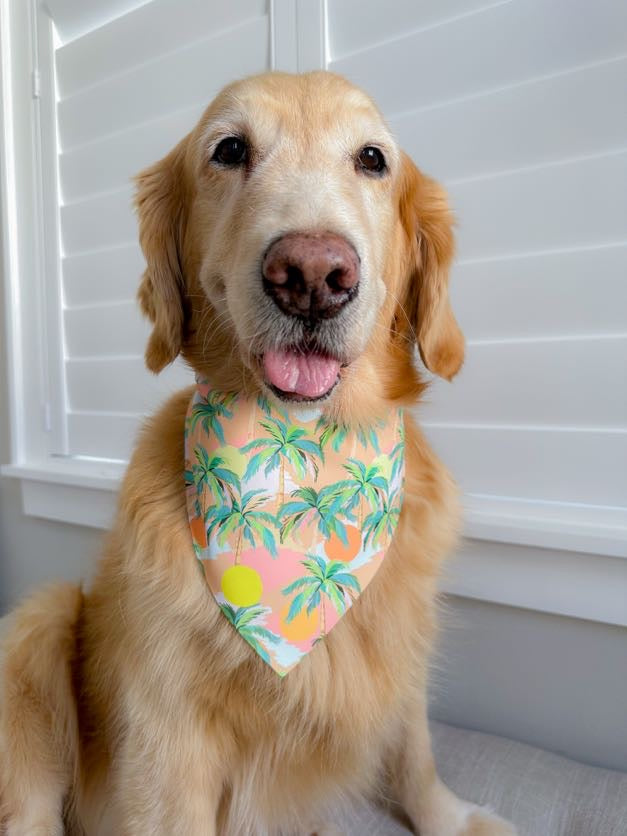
point(285, 444)
point(246, 622)
point(244, 515)
point(331, 433)
point(368, 436)
point(209, 411)
point(268, 408)
point(396, 456)
point(330, 580)
point(383, 521)
point(308, 506)
point(366, 482)
point(209, 471)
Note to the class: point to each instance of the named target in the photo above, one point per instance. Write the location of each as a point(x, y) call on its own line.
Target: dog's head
point(292, 247)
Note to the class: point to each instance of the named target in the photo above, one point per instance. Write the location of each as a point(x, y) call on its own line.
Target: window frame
point(53, 486)
point(31, 253)
point(31, 250)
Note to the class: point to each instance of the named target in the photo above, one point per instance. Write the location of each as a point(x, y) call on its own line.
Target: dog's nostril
point(334, 280)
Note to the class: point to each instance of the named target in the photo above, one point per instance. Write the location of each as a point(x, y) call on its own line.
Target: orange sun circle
point(300, 628)
point(335, 549)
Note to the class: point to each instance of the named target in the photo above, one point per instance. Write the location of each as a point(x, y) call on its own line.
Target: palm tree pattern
point(209, 409)
point(290, 514)
point(366, 483)
point(324, 579)
point(245, 517)
point(286, 444)
point(248, 621)
point(208, 474)
point(308, 506)
point(382, 522)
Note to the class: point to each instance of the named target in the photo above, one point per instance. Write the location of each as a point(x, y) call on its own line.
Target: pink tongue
point(309, 375)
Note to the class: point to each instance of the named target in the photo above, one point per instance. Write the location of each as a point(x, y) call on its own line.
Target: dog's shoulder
point(432, 509)
point(150, 537)
point(154, 482)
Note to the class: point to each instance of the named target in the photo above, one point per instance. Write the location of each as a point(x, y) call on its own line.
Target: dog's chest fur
point(318, 732)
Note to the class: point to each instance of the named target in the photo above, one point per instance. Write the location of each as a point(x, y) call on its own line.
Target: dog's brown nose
point(311, 275)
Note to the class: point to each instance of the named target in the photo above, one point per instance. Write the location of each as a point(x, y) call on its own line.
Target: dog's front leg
point(432, 808)
point(167, 784)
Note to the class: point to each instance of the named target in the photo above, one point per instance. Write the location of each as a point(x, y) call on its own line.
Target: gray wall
point(33, 551)
point(556, 682)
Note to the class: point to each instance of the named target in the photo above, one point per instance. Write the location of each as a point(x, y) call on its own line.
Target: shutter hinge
point(47, 418)
point(35, 84)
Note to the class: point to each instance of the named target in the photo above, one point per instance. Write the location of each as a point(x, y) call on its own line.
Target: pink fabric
point(290, 515)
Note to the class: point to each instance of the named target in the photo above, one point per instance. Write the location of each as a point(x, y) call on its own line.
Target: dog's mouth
point(300, 374)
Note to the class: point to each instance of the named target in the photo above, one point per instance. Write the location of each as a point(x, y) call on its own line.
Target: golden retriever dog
point(134, 707)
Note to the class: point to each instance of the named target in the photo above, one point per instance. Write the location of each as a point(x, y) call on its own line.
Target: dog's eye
point(371, 159)
point(231, 151)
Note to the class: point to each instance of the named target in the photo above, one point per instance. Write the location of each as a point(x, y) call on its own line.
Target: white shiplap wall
point(132, 78)
point(520, 108)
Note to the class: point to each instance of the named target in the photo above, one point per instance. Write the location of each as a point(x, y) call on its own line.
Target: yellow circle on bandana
point(242, 586)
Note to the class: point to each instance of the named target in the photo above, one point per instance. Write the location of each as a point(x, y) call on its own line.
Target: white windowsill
point(105, 476)
point(55, 489)
point(78, 492)
point(567, 565)
point(589, 529)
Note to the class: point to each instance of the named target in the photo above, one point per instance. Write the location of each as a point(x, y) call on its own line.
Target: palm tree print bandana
point(290, 515)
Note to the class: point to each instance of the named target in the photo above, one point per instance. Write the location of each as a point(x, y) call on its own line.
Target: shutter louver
point(519, 109)
point(517, 106)
point(132, 78)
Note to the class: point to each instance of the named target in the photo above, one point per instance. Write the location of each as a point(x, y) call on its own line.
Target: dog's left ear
point(160, 203)
point(428, 224)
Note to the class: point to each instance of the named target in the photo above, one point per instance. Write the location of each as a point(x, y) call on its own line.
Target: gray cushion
point(541, 793)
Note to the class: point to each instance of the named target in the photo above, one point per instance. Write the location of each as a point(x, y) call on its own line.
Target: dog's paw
point(482, 822)
point(448, 815)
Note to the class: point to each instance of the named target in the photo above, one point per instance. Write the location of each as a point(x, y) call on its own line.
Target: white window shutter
point(519, 109)
point(131, 78)
point(517, 106)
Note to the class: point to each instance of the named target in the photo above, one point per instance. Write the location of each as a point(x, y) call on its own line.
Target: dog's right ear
point(161, 208)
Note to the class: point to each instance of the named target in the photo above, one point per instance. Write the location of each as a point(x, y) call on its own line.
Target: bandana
point(290, 515)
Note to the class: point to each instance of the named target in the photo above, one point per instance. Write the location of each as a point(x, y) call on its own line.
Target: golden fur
point(132, 708)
